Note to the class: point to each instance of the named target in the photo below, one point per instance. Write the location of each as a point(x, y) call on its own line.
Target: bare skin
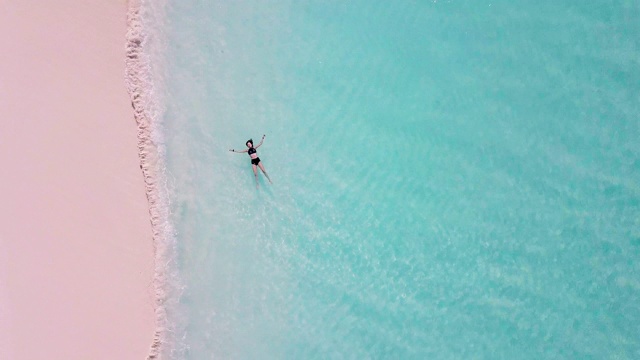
point(254, 155)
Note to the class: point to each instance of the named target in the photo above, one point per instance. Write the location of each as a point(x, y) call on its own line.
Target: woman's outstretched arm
point(261, 141)
point(238, 151)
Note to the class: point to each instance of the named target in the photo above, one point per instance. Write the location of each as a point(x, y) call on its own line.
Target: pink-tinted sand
point(76, 253)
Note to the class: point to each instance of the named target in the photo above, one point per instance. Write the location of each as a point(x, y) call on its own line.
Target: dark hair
point(249, 141)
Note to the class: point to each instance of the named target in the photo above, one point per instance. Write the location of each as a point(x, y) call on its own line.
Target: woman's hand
point(232, 150)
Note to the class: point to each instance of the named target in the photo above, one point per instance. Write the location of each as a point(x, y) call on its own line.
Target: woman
point(255, 160)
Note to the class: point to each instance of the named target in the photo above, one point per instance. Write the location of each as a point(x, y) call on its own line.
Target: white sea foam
point(144, 82)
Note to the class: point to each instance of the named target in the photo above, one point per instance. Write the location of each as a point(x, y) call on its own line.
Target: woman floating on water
point(255, 160)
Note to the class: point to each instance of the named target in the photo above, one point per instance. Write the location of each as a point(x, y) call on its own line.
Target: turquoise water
point(451, 179)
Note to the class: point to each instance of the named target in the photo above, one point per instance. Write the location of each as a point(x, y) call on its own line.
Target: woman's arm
point(238, 151)
point(261, 141)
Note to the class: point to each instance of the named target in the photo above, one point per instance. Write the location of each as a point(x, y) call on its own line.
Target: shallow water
point(451, 179)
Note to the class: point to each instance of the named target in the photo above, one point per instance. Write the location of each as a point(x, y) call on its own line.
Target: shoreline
point(78, 271)
point(144, 94)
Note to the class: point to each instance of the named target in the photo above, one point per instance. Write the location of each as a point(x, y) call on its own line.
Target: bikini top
point(251, 151)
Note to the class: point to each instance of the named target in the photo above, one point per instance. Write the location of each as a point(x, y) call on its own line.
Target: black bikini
point(255, 161)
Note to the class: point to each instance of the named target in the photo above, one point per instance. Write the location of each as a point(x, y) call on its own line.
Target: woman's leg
point(255, 173)
point(265, 173)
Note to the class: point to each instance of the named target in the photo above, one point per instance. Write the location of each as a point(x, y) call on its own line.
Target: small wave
point(145, 91)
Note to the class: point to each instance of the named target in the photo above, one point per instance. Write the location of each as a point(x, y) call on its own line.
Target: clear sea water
point(451, 179)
